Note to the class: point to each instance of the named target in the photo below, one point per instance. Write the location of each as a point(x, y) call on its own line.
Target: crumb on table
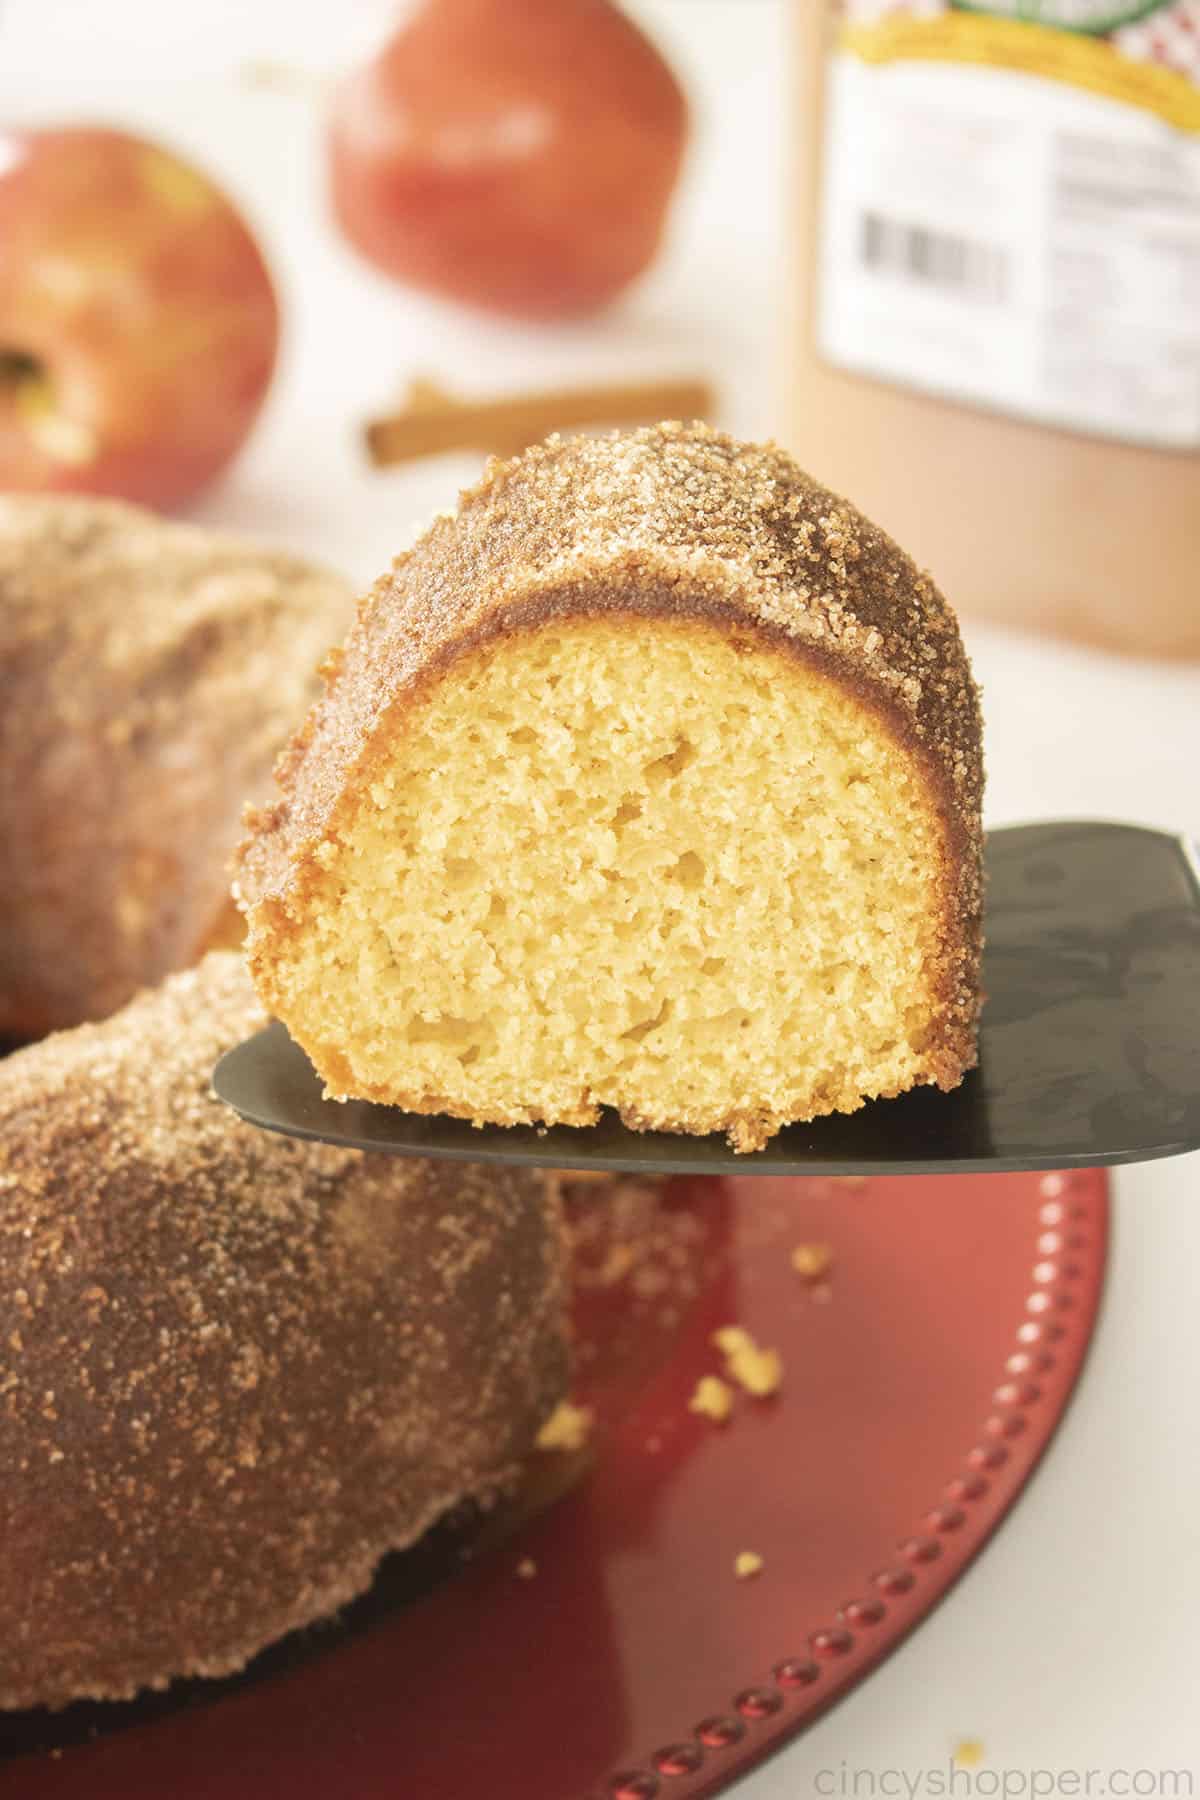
point(713, 1398)
point(759, 1371)
point(747, 1564)
point(526, 1569)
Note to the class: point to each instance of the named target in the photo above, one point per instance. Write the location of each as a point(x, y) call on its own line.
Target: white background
point(1072, 1643)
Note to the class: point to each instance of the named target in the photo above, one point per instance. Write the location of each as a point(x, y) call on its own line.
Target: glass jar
point(998, 340)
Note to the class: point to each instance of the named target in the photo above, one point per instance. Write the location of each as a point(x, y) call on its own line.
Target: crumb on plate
point(567, 1428)
point(812, 1261)
point(713, 1397)
point(759, 1371)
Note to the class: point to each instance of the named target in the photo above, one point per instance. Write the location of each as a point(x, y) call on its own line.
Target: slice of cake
point(650, 779)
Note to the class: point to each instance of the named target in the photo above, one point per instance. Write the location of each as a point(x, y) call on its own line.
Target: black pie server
point(1089, 1050)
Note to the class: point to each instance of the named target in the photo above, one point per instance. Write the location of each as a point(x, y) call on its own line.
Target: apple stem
point(29, 394)
point(17, 368)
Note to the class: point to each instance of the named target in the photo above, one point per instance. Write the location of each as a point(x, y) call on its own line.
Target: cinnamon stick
point(432, 421)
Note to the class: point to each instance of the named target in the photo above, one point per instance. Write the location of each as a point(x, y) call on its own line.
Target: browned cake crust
point(234, 1369)
point(149, 673)
point(673, 521)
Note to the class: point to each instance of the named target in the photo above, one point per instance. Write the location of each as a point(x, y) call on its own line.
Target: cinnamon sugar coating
point(150, 673)
point(235, 1369)
point(673, 521)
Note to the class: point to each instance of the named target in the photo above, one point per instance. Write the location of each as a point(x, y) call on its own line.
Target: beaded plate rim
point(1040, 1377)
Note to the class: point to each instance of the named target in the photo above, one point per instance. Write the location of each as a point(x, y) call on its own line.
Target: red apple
point(517, 157)
point(138, 323)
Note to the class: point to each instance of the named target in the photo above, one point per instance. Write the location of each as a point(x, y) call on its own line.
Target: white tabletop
point(1070, 1644)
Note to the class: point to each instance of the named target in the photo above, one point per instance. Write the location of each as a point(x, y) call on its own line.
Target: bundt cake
point(150, 672)
point(650, 779)
point(234, 1369)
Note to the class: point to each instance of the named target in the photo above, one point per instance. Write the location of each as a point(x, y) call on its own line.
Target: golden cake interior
point(600, 864)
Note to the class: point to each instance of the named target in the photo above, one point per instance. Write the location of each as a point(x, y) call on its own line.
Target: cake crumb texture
point(650, 780)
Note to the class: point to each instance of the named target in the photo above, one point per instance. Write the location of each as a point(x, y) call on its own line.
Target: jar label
point(1011, 208)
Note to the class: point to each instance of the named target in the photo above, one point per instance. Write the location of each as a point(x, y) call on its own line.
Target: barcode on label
point(962, 265)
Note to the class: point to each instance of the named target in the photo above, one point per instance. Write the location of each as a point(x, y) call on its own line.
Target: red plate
point(596, 1642)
